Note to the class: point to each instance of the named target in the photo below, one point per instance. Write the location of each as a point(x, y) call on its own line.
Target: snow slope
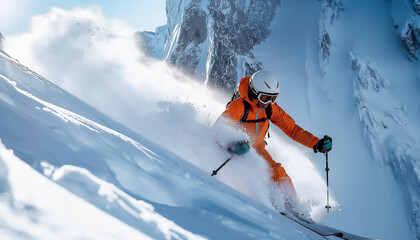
point(28, 211)
point(103, 174)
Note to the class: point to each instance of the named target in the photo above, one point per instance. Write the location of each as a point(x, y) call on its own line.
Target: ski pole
point(328, 188)
point(215, 171)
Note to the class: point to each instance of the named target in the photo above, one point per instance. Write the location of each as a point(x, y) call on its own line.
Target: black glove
point(239, 148)
point(323, 145)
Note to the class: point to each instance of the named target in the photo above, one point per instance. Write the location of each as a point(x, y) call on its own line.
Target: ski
point(324, 230)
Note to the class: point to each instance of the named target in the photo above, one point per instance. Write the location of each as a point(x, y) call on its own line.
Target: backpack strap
point(269, 111)
point(235, 96)
point(247, 106)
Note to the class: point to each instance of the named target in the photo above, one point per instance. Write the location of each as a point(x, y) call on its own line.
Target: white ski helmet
point(264, 83)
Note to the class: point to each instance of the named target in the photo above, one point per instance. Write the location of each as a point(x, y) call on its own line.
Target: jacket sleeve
point(234, 112)
point(286, 123)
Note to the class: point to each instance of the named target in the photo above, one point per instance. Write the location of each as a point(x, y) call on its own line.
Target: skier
point(251, 109)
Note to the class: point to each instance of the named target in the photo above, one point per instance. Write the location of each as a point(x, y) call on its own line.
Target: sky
point(142, 15)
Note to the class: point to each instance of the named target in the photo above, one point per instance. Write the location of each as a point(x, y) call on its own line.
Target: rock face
point(235, 31)
point(152, 43)
point(214, 39)
point(185, 51)
point(330, 13)
point(406, 17)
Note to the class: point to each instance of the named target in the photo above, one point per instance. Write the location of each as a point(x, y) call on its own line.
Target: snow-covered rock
point(330, 13)
point(370, 84)
point(406, 17)
point(386, 124)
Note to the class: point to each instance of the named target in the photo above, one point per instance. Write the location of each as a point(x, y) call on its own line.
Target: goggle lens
point(264, 98)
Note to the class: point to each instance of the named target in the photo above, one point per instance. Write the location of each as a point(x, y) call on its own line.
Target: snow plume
point(97, 60)
point(80, 50)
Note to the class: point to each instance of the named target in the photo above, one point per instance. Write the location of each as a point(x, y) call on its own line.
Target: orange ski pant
point(278, 175)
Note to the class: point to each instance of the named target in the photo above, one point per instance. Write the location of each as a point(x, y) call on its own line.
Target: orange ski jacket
point(258, 130)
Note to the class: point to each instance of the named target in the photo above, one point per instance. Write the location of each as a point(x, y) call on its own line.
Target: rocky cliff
point(214, 39)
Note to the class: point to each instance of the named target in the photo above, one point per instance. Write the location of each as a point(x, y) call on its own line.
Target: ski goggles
point(265, 98)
